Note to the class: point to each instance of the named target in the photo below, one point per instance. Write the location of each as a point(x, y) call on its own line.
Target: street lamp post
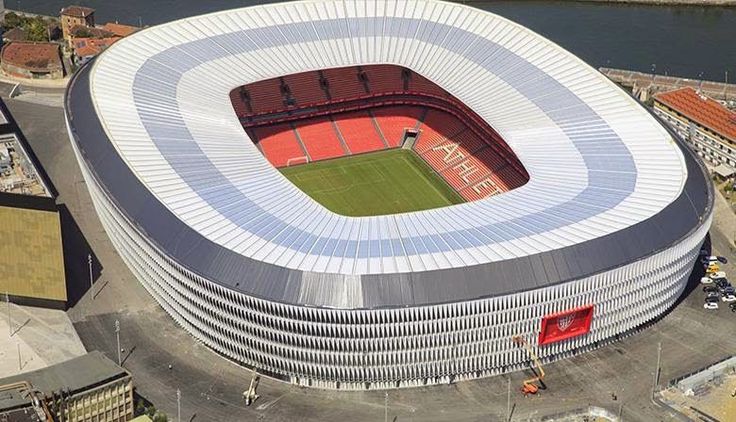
point(89, 262)
point(117, 335)
point(385, 408)
point(508, 399)
point(656, 370)
point(10, 322)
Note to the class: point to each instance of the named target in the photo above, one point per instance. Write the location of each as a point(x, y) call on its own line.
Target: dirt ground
point(719, 402)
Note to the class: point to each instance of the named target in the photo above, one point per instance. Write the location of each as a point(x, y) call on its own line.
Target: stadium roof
point(180, 166)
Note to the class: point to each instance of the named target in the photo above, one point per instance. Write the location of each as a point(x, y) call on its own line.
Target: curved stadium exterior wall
point(434, 321)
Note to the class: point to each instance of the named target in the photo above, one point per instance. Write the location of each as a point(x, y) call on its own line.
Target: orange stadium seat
point(279, 144)
point(359, 133)
point(394, 121)
point(320, 139)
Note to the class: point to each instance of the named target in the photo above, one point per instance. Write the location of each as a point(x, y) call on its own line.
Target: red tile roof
point(119, 29)
point(86, 47)
point(77, 11)
point(32, 56)
point(15, 34)
point(702, 110)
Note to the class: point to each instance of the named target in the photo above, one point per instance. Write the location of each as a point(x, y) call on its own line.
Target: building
point(708, 126)
point(31, 60)
point(73, 16)
point(96, 40)
point(87, 48)
point(119, 30)
point(86, 388)
point(33, 260)
point(600, 241)
point(15, 34)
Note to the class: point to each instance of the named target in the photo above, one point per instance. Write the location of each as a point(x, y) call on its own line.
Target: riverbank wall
point(644, 85)
point(704, 3)
point(695, 3)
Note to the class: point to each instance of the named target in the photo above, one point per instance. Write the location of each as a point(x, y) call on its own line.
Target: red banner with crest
point(567, 324)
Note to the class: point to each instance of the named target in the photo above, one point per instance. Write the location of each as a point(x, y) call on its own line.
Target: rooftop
point(702, 110)
point(73, 375)
point(82, 31)
point(15, 34)
point(87, 47)
point(119, 29)
point(77, 11)
point(32, 56)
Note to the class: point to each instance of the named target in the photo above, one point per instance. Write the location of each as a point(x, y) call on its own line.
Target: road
point(211, 386)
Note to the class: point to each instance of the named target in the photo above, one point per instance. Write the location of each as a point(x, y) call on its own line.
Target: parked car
point(732, 306)
point(706, 280)
point(728, 298)
point(721, 282)
point(717, 274)
point(712, 268)
point(710, 288)
point(722, 259)
point(708, 259)
point(710, 305)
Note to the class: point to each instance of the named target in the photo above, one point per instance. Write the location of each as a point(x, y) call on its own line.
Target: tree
point(12, 20)
point(160, 417)
point(37, 30)
point(81, 32)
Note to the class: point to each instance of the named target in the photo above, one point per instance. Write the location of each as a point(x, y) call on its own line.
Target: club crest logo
point(564, 322)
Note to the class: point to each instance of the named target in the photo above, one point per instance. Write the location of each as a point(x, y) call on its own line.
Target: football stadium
point(382, 194)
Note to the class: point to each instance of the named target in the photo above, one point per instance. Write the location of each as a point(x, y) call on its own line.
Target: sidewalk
point(37, 83)
point(43, 336)
point(724, 217)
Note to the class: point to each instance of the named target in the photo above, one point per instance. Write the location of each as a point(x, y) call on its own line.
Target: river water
point(682, 41)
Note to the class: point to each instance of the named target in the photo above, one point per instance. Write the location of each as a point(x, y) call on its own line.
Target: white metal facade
point(402, 305)
point(392, 348)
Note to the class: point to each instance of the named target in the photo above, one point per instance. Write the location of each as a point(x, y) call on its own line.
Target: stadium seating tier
point(472, 164)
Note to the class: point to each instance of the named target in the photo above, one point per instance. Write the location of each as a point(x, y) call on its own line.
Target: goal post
point(297, 160)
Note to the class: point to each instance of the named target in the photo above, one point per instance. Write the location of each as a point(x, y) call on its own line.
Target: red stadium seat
point(279, 145)
point(266, 96)
point(437, 126)
point(344, 83)
point(359, 133)
point(384, 79)
point(475, 165)
point(320, 139)
point(305, 88)
point(394, 121)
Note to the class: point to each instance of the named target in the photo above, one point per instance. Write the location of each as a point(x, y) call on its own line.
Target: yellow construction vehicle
point(530, 386)
point(712, 268)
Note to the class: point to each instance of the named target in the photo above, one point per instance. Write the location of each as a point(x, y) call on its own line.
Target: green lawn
point(384, 182)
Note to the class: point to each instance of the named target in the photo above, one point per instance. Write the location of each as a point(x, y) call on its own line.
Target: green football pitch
point(384, 182)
